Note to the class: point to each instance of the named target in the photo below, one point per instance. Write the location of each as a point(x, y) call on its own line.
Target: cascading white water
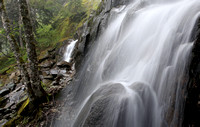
point(133, 76)
point(69, 51)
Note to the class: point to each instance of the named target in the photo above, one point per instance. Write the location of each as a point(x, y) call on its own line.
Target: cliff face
point(97, 23)
point(192, 105)
point(91, 29)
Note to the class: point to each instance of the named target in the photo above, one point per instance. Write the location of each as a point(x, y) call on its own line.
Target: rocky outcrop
point(11, 100)
point(192, 105)
point(54, 74)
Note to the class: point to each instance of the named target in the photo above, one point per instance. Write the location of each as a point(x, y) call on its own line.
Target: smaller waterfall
point(69, 51)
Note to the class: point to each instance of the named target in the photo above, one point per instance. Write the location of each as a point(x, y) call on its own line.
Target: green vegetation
point(6, 63)
point(54, 21)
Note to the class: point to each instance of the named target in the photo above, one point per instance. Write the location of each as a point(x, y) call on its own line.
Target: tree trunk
point(20, 32)
point(31, 51)
point(15, 49)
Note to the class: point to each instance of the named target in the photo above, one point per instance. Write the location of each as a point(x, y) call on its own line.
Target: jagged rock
point(44, 57)
point(45, 73)
point(57, 72)
point(49, 77)
point(4, 92)
point(2, 112)
point(54, 83)
point(14, 74)
point(54, 72)
point(64, 64)
point(47, 64)
point(11, 86)
point(3, 101)
point(52, 51)
point(16, 97)
point(15, 77)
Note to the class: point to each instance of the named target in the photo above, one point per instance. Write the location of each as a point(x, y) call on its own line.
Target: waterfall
point(69, 51)
point(134, 74)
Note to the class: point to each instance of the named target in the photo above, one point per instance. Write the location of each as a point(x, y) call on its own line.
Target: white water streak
point(69, 51)
point(143, 53)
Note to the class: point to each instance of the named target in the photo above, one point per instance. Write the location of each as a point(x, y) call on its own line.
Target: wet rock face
point(64, 64)
point(192, 106)
point(11, 100)
point(90, 31)
point(4, 92)
point(104, 102)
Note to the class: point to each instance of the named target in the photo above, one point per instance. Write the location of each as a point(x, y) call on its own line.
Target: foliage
point(53, 21)
point(6, 63)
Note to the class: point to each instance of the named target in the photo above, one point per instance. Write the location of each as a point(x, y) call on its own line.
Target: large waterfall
point(135, 73)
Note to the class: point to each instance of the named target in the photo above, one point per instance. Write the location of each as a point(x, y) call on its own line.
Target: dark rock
point(3, 101)
point(54, 83)
point(49, 77)
point(192, 110)
point(54, 72)
point(15, 98)
point(4, 92)
point(52, 51)
point(11, 86)
point(98, 106)
point(47, 64)
point(64, 64)
point(43, 58)
point(57, 72)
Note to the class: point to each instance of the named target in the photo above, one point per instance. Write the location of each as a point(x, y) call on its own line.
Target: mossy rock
point(13, 122)
point(23, 107)
point(17, 119)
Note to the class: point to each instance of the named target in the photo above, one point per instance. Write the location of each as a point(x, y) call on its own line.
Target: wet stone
point(11, 86)
point(64, 64)
point(4, 92)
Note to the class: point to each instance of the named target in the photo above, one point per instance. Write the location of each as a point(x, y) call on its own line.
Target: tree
point(15, 49)
point(31, 79)
point(39, 92)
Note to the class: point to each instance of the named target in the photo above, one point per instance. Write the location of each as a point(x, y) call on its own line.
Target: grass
point(6, 63)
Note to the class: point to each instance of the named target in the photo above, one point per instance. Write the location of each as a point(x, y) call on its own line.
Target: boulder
point(99, 104)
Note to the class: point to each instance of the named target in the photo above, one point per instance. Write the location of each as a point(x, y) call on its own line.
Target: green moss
point(24, 105)
point(44, 86)
point(13, 122)
point(6, 63)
